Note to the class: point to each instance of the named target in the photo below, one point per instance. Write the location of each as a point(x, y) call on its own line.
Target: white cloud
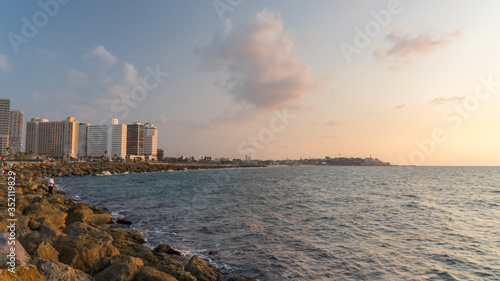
point(93, 100)
point(105, 57)
point(77, 77)
point(4, 63)
point(45, 55)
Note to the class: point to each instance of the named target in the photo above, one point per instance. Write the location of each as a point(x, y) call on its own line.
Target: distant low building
point(160, 154)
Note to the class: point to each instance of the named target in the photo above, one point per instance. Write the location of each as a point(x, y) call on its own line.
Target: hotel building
point(150, 139)
point(109, 140)
point(135, 139)
point(56, 139)
point(16, 132)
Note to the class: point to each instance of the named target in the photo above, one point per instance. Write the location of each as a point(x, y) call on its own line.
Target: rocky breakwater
point(63, 169)
point(56, 238)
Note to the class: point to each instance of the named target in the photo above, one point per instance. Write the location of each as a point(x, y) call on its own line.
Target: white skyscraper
point(16, 132)
point(97, 145)
point(150, 139)
point(107, 140)
point(119, 142)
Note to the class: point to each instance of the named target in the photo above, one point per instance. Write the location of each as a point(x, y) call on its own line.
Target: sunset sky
point(410, 82)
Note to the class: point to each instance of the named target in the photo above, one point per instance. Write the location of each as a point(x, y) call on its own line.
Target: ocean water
point(317, 223)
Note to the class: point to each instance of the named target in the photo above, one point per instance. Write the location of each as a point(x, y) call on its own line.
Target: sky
point(410, 82)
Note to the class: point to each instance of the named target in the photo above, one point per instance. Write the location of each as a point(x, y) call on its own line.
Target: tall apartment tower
point(33, 135)
point(119, 141)
point(55, 139)
point(150, 139)
point(135, 139)
point(97, 144)
point(83, 139)
point(108, 140)
point(4, 125)
point(16, 132)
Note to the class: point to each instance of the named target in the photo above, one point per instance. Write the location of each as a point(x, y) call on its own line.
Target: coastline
point(58, 238)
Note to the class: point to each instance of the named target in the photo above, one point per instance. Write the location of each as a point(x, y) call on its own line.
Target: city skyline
point(409, 82)
point(70, 138)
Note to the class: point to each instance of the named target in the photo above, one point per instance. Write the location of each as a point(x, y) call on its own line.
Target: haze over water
point(317, 223)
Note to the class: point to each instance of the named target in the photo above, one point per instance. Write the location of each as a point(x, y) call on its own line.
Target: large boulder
point(171, 267)
point(123, 268)
point(85, 248)
point(21, 204)
point(139, 251)
point(203, 271)
point(37, 242)
point(166, 249)
point(46, 251)
point(147, 273)
point(82, 213)
point(53, 270)
point(22, 273)
point(48, 230)
point(121, 236)
point(44, 209)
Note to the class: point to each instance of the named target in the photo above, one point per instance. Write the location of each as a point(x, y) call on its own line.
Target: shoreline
point(57, 237)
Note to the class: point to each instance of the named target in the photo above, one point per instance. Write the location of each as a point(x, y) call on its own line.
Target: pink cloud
point(403, 48)
point(259, 58)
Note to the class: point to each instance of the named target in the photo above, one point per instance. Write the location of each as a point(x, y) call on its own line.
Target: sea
point(316, 223)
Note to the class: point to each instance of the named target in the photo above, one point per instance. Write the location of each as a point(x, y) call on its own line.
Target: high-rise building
point(135, 139)
point(4, 125)
point(33, 135)
point(150, 139)
point(97, 145)
point(56, 139)
point(16, 132)
point(119, 141)
point(83, 139)
point(109, 140)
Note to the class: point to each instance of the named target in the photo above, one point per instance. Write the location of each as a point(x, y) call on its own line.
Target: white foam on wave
point(202, 253)
point(117, 215)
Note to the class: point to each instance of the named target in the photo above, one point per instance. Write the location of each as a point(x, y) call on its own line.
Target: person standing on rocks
point(51, 185)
